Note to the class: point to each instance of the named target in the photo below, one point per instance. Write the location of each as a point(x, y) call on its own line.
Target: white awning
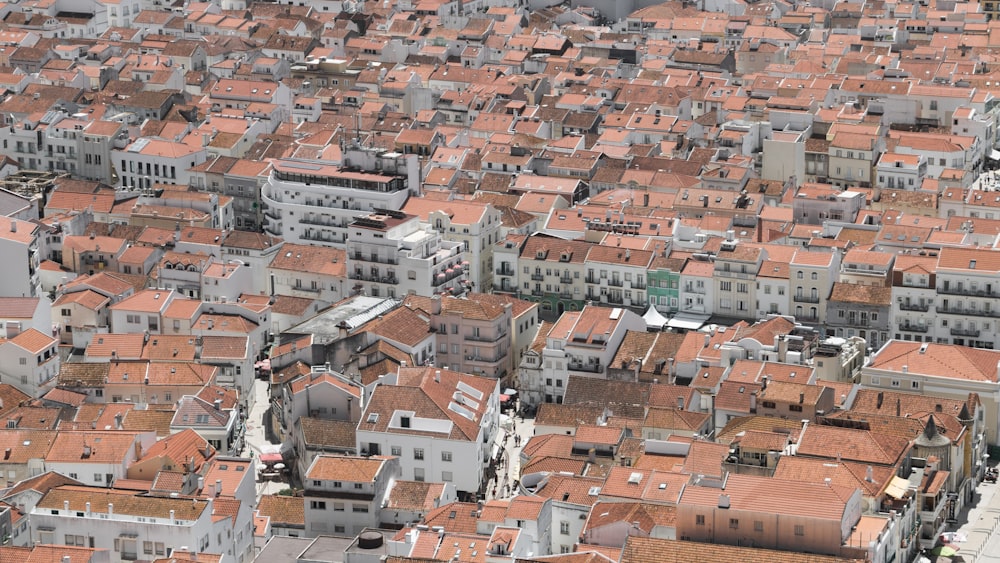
point(653, 318)
point(995, 154)
point(688, 321)
point(897, 487)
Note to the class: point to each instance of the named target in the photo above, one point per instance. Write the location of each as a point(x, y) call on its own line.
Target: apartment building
point(860, 310)
point(811, 277)
point(311, 272)
point(939, 370)
point(147, 161)
point(314, 203)
point(617, 276)
point(346, 494)
point(57, 142)
point(391, 253)
point(30, 361)
point(735, 274)
point(768, 512)
point(473, 334)
point(21, 249)
point(966, 304)
point(914, 292)
point(132, 527)
point(581, 343)
point(549, 271)
point(474, 224)
point(440, 423)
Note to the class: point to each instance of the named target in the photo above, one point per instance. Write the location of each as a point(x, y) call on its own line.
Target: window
point(418, 453)
point(358, 485)
point(795, 408)
point(317, 505)
point(97, 477)
point(446, 476)
point(418, 473)
point(699, 520)
point(734, 523)
point(23, 361)
point(915, 384)
point(758, 525)
point(339, 529)
point(396, 451)
point(147, 547)
point(445, 456)
point(338, 507)
point(359, 508)
point(317, 483)
point(800, 530)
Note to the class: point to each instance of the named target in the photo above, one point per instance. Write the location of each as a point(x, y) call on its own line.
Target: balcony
point(973, 332)
point(639, 285)
point(805, 299)
point(485, 337)
point(537, 277)
point(952, 290)
point(806, 318)
point(918, 307)
point(615, 300)
point(566, 280)
point(505, 271)
point(375, 279)
point(966, 312)
point(913, 327)
point(392, 260)
point(537, 292)
point(319, 221)
point(476, 358)
point(565, 295)
point(615, 282)
point(272, 213)
point(591, 279)
point(589, 368)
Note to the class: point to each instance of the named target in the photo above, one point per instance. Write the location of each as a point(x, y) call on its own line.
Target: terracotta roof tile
point(651, 550)
point(283, 510)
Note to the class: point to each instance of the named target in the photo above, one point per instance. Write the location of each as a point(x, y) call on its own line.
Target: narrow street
point(981, 527)
point(509, 470)
point(255, 438)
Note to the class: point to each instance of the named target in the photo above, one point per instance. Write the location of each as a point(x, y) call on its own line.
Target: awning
point(995, 154)
point(504, 398)
point(897, 487)
point(271, 458)
point(688, 321)
point(653, 318)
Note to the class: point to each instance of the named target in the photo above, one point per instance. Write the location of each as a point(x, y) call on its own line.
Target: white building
point(310, 202)
point(391, 254)
point(133, 527)
point(21, 255)
point(148, 161)
point(581, 343)
point(345, 494)
point(441, 424)
point(30, 362)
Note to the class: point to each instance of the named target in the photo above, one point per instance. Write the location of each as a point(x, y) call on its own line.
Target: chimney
point(437, 376)
point(869, 474)
point(878, 401)
point(66, 505)
point(13, 225)
point(218, 487)
point(898, 406)
point(802, 398)
point(87, 509)
point(218, 404)
point(111, 509)
point(171, 515)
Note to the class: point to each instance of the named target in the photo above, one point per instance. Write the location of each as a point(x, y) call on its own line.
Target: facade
point(473, 335)
point(389, 253)
point(314, 203)
point(345, 494)
point(441, 424)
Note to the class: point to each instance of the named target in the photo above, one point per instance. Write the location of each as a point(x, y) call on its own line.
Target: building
point(473, 334)
point(581, 343)
point(314, 203)
point(440, 423)
point(346, 494)
point(769, 513)
point(389, 253)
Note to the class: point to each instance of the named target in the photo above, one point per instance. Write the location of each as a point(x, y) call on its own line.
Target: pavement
point(510, 468)
point(255, 437)
point(981, 525)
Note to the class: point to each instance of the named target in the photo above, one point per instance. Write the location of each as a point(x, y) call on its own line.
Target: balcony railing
point(371, 278)
point(973, 332)
point(537, 277)
point(580, 366)
point(615, 282)
point(919, 307)
point(805, 299)
point(913, 327)
point(485, 337)
point(505, 271)
point(966, 312)
point(565, 295)
point(804, 318)
point(615, 300)
point(565, 280)
point(952, 290)
point(376, 259)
